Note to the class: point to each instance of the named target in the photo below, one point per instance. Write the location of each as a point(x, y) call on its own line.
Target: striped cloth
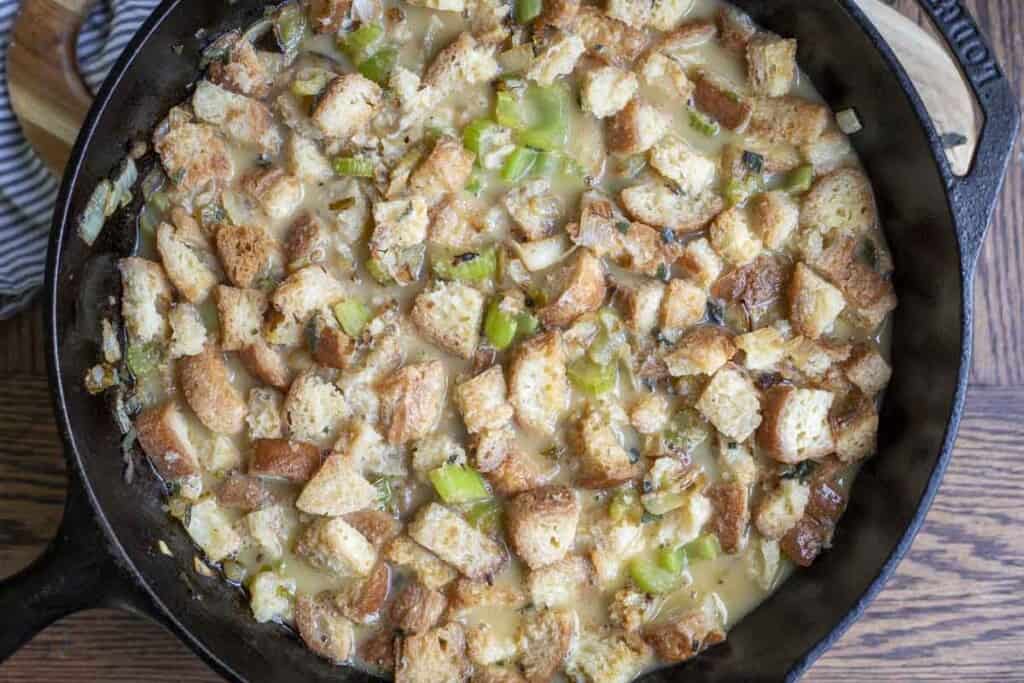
point(27, 190)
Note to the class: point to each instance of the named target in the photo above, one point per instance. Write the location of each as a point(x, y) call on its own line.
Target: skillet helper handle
point(74, 573)
point(47, 92)
point(975, 194)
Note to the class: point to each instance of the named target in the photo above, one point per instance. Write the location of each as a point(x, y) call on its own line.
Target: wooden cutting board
point(50, 100)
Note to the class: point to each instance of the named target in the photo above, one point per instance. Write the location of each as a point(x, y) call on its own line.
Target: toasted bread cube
point(584, 291)
point(195, 156)
point(243, 492)
point(450, 315)
point(814, 304)
point(485, 645)
point(546, 639)
point(776, 217)
point(241, 316)
point(732, 237)
point(496, 674)
point(417, 609)
point(364, 447)
point(241, 69)
point(658, 205)
point(721, 100)
point(677, 161)
point(606, 38)
point(683, 306)
point(242, 119)
point(247, 254)
point(271, 597)
point(464, 62)
point(336, 489)
point(294, 461)
point(604, 462)
point(212, 530)
point(442, 5)
point(376, 525)
point(636, 13)
point(701, 351)
point(306, 291)
point(534, 209)
point(643, 305)
point(164, 436)
point(268, 529)
point(643, 249)
point(663, 72)
point(492, 447)
point(867, 369)
point(146, 296)
point(558, 13)
point(557, 59)
point(636, 128)
point(314, 408)
point(455, 541)
point(542, 524)
point(445, 170)
point(630, 610)
point(188, 334)
point(430, 570)
point(334, 546)
point(684, 638)
point(796, 424)
point(468, 594)
point(687, 37)
point(649, 414)
point(614, 543)
point(411, 401)
point(558, 584)
point(608, 658)
point(791, 120)
point(731, 505)
point(276, 192)
point(763, 348)
point(855, 430)
point(606, 90)
point(518, 471)
point(361, 601)
point(328, 16)
point(308, 241)
point(399, 224)
point(347, 105)
point(434, 451)
point(701, 262)
point(431, 657)
point(323, 628)
point(208, 390)
point(829, 152)
point(538, 385)
point(186, 265)
point(483, 401)
point(264, 418)
point(841, 201)
point(736, 27)
point(306, 161)
point(782, 508)
point(771, 65)
point(870, 295)
point(730, 402)
point(266, 364)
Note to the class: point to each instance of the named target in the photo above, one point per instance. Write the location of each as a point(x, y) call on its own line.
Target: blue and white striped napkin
point(27, 190)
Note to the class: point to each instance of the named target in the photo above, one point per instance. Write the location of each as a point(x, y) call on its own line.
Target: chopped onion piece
point(542, 254)
point(849, 122)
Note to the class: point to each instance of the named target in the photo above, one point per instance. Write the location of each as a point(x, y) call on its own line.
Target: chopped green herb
point(753, 161)
point(704, 124)
point(358, 167)
point(622, 226)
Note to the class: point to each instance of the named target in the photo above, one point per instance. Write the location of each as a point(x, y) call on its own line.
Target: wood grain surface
point(953, 611)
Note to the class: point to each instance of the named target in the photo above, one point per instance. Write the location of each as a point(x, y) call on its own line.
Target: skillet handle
point(74, 573)
point(974, 195)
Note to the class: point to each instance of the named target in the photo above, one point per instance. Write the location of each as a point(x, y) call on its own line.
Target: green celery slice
point(671, 559)
point(458, 484)
point(359, 44)
point(704, 547)
point(704, 124)
point(591, 378)
point(799, 179)
point(353, 316)
point(651, 578)
point(485, 516)
point(499, 326)
point(527, 10)
point(378, 68)
point(468, 267)
point(518, 164)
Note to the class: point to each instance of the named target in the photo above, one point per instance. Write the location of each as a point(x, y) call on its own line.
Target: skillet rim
point(78, 476)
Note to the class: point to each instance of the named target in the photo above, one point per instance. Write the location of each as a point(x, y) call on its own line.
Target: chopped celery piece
point(660, 503)
point(477, 135)
point(289, 28)
point(550, 129)
point(547, 164)
point(526, 324)
point(650, 578)
point(378, 272)
point(703, 124)
point(671, 559)
point(359, 44)
point(686, 430)
point(485, 516)
point(508, 112)
point(591, 378)
point(467, 267)
point(799, 179)
point(458, 484)
point(378, 68)
point(143, 359)
point(310, 82)
point(738, 190)
point(354, 166)
point(518, 164)
point(624, 505)
point(704, 547)
point(353, 316)
point(499, 326)
point(528, 10)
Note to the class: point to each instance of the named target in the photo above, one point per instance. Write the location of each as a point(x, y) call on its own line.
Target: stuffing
point(163, 433)
point(542, 524)
point(240, 312)
point(346, 106)
point(445, 170)
point(306, 291)
point(324, 630)
point(519, 471)
point(682, 306)
point(763, 348)
point(240, 118)
point(731, 505)
point(732, 237)
point(240, 69)
point(450, 315)
point(870, 295)
point(266, 364)
point(188, 334)
point(658, 205)
point(333, 545)
point(829, 152)
point(583, 291)
point(328, 16)
point(546, 638)
point(677, 161)
point(614, 543)
point(463, 62)
point(268, 529)
point(649, 414)
point(756, 285)
point(468, 594)
point(814, 304)
point(775, 216)
point(781, 508)
point(411, 401)
point(608, 658)
point(336, 489)
point(791, 120)
point(701, 262)
point(684, 637)
point(277, 193)
point(606, 90)
point(603, 461)
point(208, 390)
point(212, 530)
point(840, 201)
point(306, 161)
point(483, 401)
point(867, 369)
point(417, 608)
point(146, 296)
point(606, 38)
point(796, 425)
point(558, 58)
point(721, 100)
point(399, 225)
point(271, 597)
point(558, 584)
point(636, 128)
point(195, 157)
point(376, 525)
point(630, 610)
point(486, 646)
point(429, 569)
point(293, 461)
point(702, 351)
point(264, 415)
point(771, 65)
point(538, 384)
point(643, 306)
point(665, 73)
point(534, 208)
point(249, 255)
point(451, 537)
point(730, 402)
point(361, 601)
point(436, 656)
point(189, 266)
point(314, 409)
point(855, 429)
point(243, 492)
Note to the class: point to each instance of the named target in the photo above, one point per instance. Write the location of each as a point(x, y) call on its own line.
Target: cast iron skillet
point(105, 554)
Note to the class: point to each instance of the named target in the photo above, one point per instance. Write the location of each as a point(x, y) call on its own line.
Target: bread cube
point(538, 384)
point(701, 351)
point(249, 255)
point(636, 128)
point(683, 306)
point(334, 546)
point(558, 58)
point(483, 401)
point(677, 161)
point(796, 425)
point(583, 291)
point(163, 433)
point(411, 401)
point(454, 540)
point(730, 402)
point(208, 390)
point(188, 334)
point(436, 655)
point(346, 106)
point(776, 217)
point(450, 315)
point(336, 489)
point(658, 205)
point(771, 65)
point(212, 530)
point(322, 627)
point(146, 296)
point(542, 524)
point(814, 304)
point(606, 90)
point(790, 120)
point(429, 569)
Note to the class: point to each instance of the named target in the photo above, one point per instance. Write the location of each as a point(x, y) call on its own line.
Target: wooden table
point(953, 611)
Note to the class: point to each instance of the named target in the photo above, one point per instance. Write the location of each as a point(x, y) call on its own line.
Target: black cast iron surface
point(105, 551)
